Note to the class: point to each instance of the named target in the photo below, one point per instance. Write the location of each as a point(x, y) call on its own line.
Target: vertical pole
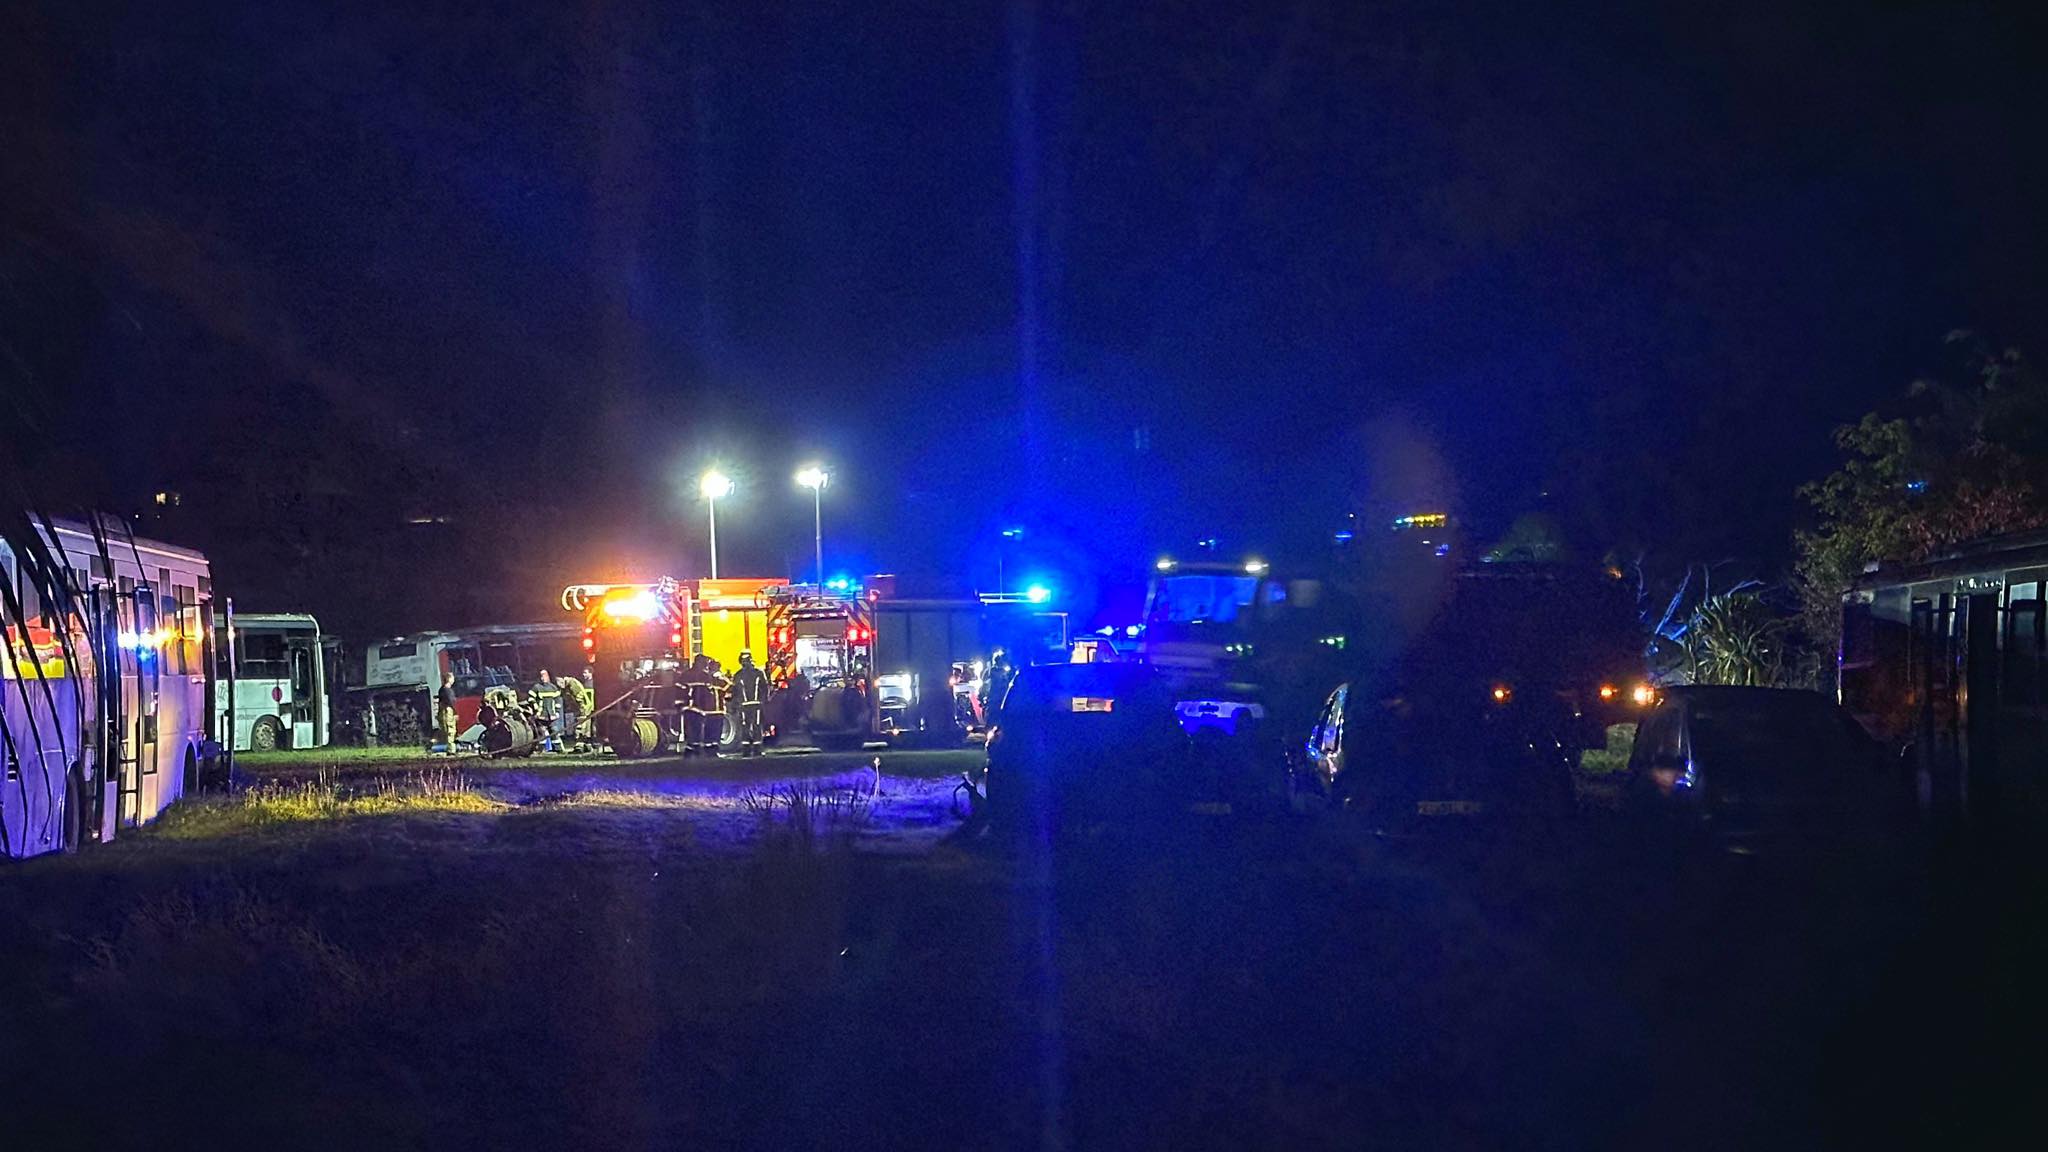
point(818, 531)
point(711, 505)
point(228, 738)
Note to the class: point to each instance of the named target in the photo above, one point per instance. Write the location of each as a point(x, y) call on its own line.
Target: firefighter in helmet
point(545, 701)
point(693, 687)
point(701, 684)
point(750, 693)
point(713, 705)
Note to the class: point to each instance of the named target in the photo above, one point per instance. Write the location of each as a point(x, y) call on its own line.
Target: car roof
point(1733, 693)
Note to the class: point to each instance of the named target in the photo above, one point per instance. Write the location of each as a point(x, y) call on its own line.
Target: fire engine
point(871, 665)
point(638, 638)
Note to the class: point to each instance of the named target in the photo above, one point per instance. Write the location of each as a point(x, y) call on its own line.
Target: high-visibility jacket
point(545, 700)
point(706, 692)
point(694, 686)
point(575, 697)
point(749, 686)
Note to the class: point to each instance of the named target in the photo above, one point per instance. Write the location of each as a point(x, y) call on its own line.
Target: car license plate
point(1449, 808)
point(1094, 704)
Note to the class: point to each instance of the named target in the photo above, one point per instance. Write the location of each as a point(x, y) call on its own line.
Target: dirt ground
point(661, 959)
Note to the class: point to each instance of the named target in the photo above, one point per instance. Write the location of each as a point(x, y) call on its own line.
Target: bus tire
point(266, 735)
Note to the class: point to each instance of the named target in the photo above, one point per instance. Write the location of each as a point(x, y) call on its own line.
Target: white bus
point(280, 682)
point(104, 687)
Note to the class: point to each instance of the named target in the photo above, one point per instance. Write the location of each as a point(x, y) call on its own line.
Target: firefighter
point(750, 692)
point(710, 700)
point(445, 706)
point(693, 687)
point(545, 700)
point(995, 683)
point(575, 706)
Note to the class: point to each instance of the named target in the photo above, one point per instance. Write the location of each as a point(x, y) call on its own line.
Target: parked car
point(1074, 743)
point(1402, 761)
point(1758, 764)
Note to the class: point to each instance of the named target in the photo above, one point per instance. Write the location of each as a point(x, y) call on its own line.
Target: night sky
point(1123, 274)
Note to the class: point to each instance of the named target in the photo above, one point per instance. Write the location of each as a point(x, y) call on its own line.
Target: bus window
point(2021, 682)
point(261, 656)
point(302, 673)
point(500, 662)
point(189, 631)
point(462, 661)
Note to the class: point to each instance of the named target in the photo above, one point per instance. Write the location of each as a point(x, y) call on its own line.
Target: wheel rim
point(263, 738)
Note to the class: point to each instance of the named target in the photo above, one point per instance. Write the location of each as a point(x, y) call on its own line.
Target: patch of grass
point(809, 815)
point(1621, 738)
point(280, 803)
point(337, 754)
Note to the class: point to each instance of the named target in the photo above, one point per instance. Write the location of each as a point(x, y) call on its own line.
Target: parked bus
point(394, 702)
point(105, 682)
point(1944, 660)
point(280, 683)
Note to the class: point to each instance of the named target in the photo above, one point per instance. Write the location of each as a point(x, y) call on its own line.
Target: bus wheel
point(266, 735)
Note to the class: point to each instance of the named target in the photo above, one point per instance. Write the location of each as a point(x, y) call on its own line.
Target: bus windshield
point(1199, 602)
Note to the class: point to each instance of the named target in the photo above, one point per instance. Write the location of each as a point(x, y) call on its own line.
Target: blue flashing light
point(1443, 549)
point(1916, 485)
point(1343, 537)
point(840, 583)
point(1038, 593)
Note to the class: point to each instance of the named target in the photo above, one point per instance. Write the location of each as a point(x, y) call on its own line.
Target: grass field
point(410, 961)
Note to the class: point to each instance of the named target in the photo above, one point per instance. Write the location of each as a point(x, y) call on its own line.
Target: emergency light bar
point(577, 597)
point(641, 605)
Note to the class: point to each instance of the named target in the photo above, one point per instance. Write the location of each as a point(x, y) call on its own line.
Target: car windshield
point(1196, 599)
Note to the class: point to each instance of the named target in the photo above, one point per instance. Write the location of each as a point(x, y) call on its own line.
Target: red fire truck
point(871, 665)
point(638, 638)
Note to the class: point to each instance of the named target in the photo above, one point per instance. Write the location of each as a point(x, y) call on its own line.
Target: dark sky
point(1129, 273)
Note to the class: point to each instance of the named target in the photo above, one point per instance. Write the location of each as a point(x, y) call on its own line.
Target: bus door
point(308, 692)
point(140, 684)
point(1979, 698)
point(1938, 731)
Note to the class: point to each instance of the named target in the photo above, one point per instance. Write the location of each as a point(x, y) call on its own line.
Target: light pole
point(1008, 534)
point(714, 486)
point(814, 477)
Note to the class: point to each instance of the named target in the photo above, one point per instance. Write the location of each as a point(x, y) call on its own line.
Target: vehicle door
point(1326, 739)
